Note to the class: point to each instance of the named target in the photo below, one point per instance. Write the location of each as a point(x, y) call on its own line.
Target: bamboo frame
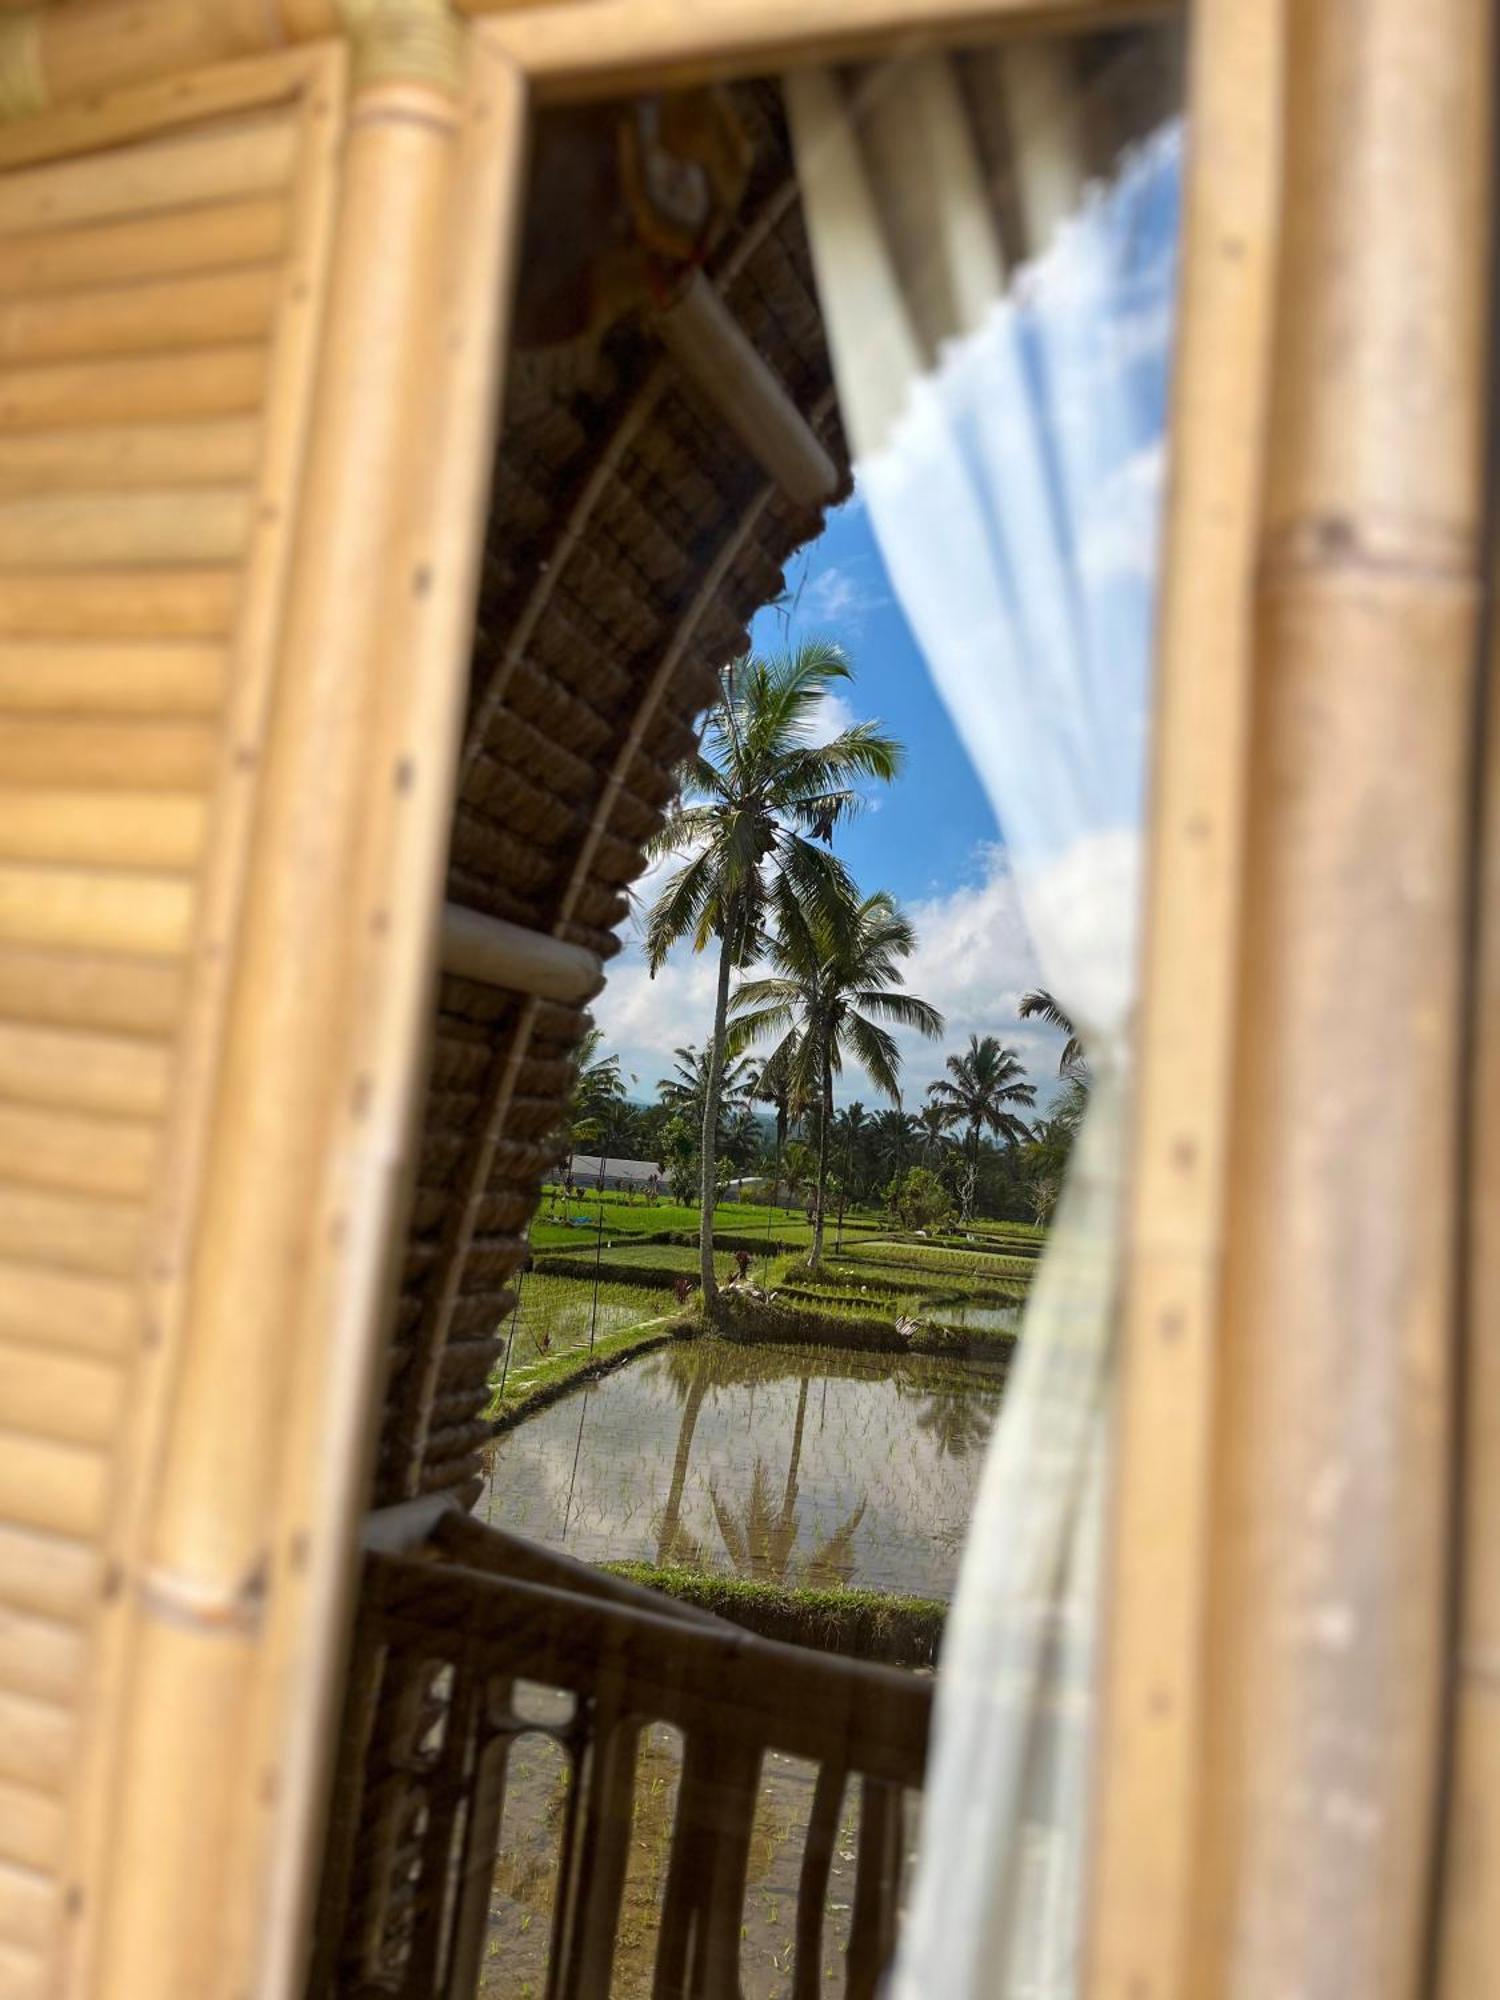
point(496, 953)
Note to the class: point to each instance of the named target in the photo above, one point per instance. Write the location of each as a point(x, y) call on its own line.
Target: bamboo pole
point(1329, 1551)
point(1469, 1911)
point(1148, 1747)
point(496, 953)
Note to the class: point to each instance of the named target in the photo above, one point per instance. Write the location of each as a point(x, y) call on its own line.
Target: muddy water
point(789, 1466)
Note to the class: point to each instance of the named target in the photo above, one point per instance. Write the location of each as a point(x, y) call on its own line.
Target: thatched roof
point(631, 538)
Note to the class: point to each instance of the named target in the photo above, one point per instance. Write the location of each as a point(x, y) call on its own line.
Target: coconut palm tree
point(686, 1089)
point(761, 801)
point(977, 1092)
point(933, 1123)
point(597, 1093)
point(837, 982)
point(1039, 1005)
point(896, 1137)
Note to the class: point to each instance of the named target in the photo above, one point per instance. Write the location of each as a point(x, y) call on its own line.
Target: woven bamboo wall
point(159, 284)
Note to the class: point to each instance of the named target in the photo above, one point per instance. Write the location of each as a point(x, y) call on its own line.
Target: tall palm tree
point(761, 801)
point(933, 1123)
point(897, 1135)
point(686, 1089)
point(1039, 1005)
point(597, 1093)
point(977, 1092)
point(837, 981)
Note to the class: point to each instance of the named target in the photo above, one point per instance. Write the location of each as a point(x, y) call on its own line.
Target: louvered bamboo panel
point(116, 604)
point(23, 1975)
point(41, 1146)
point(212, 237)
point(59, 1396)
point(71, 1232)
point(46, 1577)
point(59, 1309)
point(166, 676)
point(98, 530)
point(91, 989)
point(251, 157)
point(28, 1907)
point(59, 1489)
point(116, 1074)
point(201, 382)
point(77, 750)
point(35, 1741)
point(42, 1657)
point(216, 452)
point(31, 1827)
point(150, 830)
point(94, 909)
point(140, 318)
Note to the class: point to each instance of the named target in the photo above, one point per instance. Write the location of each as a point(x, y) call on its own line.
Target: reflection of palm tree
point(760, 1538)
point(957, 1423)
point(689, 1378)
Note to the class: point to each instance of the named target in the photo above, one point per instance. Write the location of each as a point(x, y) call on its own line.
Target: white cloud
point(838, 597)
point(973, 961)
point(830, 718)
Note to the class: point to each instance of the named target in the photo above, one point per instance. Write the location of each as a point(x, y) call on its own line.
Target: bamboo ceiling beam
point(717, 356)
point(1330, 1549)
point(497, 953)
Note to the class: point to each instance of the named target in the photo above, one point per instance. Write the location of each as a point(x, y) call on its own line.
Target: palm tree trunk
point(671, 1519)
point(709, 1188)
point(794, 1467)
point(824, 1120)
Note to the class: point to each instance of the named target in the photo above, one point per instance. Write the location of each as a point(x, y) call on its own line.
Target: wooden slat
point(31, 1827)
point(116, 530)
point(29, 1906)
point(118, 1074)
point(41, 1146)
point(44, 1657)
point(156, 830)
point(154, 677)
point(90, 989)
point(59, 1396)
point(119, 604)
point(208, 238)
point(71, 1232)
point(200, 382)
point(219, 451)
point(253, 158)
point(140, 318)
point(94, 910)
point(135, 754)
point(24, 1975)
point(65, 1311)
point(36, 1738)
point(60, 1489)
point(47, 1576)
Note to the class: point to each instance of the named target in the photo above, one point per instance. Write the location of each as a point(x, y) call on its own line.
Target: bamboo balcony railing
point(443, 1642)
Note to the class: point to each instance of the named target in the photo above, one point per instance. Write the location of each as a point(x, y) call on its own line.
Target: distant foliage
point(919, 1200)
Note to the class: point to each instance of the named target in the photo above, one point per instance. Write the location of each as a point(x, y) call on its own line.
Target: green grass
point(863, 1624)
point(531, 1387)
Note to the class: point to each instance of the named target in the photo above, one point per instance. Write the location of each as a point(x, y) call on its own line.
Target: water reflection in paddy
point(788, 1465)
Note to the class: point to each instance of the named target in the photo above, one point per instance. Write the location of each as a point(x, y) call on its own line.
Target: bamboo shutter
point(246, 313)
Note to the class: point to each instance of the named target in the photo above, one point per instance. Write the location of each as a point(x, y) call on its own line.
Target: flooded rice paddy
point(793, 1466)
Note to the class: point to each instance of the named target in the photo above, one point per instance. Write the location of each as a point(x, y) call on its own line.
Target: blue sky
point(930, 838)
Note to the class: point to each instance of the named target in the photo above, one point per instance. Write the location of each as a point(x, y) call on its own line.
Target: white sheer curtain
point(1007, 431)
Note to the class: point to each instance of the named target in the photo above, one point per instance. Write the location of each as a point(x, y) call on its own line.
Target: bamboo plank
point(91, 989)
point(119, 604)
point(200, 382)
point(160, 677)
point(121, 457)
point(121, 1075)
point(60, 1489)
point(134, 754)
point(42, 1657)
point(31, 1827)
point(66, 1311)
point(1148, 1759)
point(252, 158)
point(23, 1974)
point(107, 530)
point(59, 1396)
point(41, 1146)
point(94, 909)
point(47, 1576)
point(151, 830)
point(140, 318)
point(29, 1907)
point(71, 1232)
point(36, 1739)
point(216, 236)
